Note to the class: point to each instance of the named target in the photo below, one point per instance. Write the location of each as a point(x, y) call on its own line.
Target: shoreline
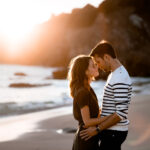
point(34, 111)
point(44, 126)
point(22, 124)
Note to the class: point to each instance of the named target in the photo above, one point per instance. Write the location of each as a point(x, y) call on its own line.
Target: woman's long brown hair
point(77, 72)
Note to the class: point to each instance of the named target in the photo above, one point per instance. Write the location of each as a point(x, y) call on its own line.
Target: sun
point(16, 32)
point(19, 17)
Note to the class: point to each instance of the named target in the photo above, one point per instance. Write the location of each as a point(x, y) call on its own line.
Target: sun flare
point(19, 17)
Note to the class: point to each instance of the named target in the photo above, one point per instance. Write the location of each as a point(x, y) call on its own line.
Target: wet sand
point(42, 130)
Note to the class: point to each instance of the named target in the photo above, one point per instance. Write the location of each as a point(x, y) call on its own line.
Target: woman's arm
point(91, 121)
point(99, 114)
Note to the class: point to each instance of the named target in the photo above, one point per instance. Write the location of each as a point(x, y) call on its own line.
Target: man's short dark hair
point(103, 48)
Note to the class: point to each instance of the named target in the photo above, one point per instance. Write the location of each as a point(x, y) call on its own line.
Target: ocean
point(41, 91)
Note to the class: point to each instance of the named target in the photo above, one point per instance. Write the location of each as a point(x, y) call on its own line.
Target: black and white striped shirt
point(117, 97)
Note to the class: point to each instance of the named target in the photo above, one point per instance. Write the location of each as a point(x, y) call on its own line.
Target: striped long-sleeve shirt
point(117, 97)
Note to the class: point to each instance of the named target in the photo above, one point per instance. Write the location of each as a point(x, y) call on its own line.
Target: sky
point(19, 17)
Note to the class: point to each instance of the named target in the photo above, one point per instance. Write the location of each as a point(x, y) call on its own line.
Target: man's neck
point(115, 64)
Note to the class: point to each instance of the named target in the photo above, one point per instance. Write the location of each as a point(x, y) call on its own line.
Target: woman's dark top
point(82, 98)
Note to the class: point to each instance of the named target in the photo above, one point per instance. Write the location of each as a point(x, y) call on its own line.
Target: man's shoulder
point(120, 76)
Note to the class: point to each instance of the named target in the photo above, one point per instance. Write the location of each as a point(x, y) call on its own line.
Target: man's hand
point(88, 133)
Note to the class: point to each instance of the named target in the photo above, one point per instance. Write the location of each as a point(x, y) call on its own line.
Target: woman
point(85, 104)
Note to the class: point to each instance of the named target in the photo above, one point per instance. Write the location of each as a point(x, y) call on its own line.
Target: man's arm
point(114, 119)
point(121, 97)
point(121, 92)
point(91, 131)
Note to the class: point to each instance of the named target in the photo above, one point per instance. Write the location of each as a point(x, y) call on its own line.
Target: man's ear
point(107, 57)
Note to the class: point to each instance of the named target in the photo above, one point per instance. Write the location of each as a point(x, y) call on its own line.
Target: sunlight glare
point(19, 17)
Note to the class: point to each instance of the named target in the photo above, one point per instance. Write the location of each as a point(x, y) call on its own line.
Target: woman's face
point(92, 70)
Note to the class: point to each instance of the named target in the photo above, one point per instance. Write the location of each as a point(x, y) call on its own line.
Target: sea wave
point(40, 91)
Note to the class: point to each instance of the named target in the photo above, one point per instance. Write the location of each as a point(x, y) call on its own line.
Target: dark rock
point(26, 85)
point(89, 14)
point(60, 74)
point(137, 91)
point(125, 24)
point(141, 83)
point(69, 130)
point(20, 74)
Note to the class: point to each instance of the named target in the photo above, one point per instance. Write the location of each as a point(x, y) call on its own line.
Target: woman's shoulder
point(82, 97)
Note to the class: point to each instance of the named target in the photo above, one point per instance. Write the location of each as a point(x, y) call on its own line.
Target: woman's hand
point(88, 133)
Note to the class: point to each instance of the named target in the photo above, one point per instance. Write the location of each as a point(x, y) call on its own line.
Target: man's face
point(102, 63)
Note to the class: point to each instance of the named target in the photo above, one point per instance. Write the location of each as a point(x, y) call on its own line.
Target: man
point(116, 99)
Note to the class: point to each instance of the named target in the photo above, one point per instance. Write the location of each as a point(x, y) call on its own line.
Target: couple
point(106, 128)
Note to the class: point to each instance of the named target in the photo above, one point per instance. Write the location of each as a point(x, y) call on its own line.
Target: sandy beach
point(42, 130)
